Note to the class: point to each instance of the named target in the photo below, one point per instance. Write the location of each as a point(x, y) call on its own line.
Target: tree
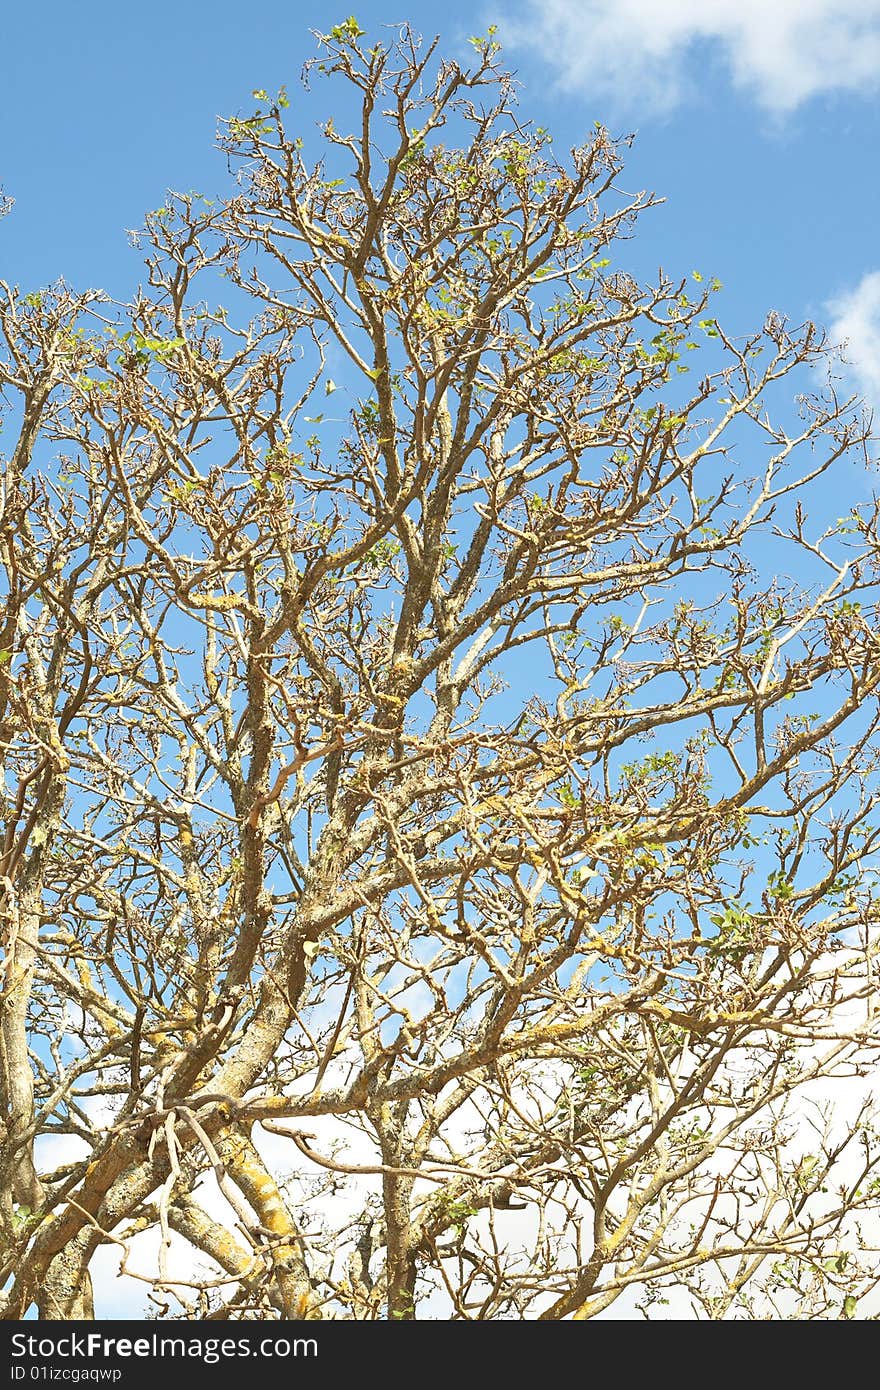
point(445, 820)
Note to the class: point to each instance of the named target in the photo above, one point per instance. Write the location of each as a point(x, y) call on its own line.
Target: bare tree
point(440, 829)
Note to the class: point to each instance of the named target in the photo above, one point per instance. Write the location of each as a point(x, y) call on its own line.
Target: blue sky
point(758, 122)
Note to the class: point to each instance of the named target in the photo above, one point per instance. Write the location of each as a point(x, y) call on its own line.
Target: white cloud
point(855, 324)
point(641, 52)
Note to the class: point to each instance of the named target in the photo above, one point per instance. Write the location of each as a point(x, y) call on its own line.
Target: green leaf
point(347, 31)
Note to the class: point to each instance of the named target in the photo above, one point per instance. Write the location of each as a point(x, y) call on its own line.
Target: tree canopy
point(438, 711)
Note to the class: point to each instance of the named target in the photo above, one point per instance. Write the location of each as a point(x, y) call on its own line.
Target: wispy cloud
point(642, 53)
point(855, 323)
